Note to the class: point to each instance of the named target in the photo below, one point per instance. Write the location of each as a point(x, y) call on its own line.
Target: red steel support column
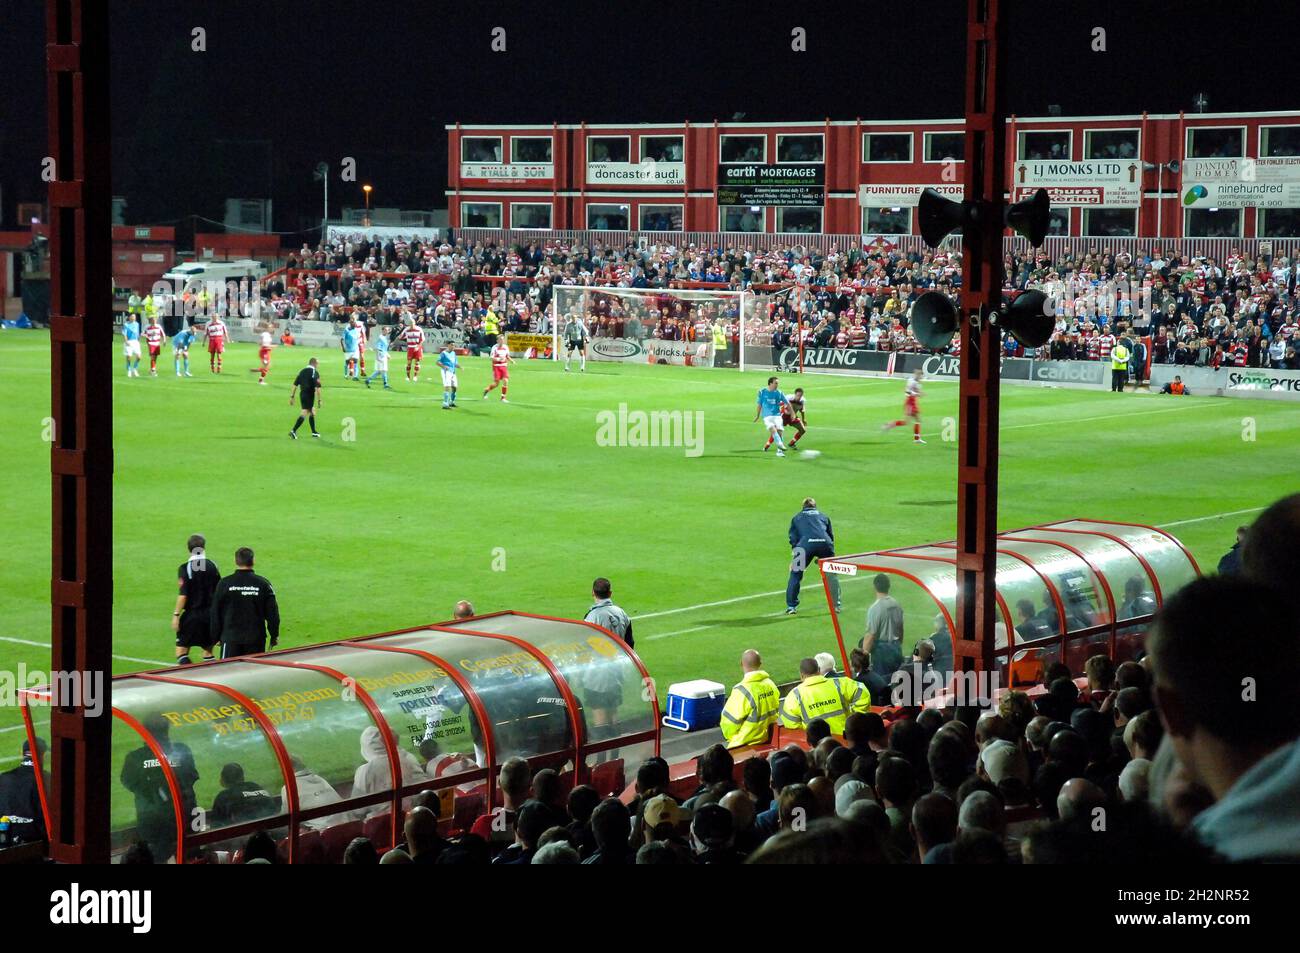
point(81, 459)
point(981, 297)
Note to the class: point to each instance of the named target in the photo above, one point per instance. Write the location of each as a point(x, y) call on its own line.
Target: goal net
point(696, 327)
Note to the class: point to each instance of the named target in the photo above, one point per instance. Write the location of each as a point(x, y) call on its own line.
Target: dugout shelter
point(1064, 590)
point(318, 734)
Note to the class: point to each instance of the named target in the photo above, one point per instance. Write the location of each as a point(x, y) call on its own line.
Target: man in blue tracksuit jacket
point(810, 537)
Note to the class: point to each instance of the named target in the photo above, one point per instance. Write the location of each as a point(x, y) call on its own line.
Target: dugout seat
point(311, 849)
point(607, 777)
point(378, 830)
point(335, 839)
point(468, 809)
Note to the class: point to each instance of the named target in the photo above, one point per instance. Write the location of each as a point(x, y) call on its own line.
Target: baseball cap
point(1003, 759)
point(662, 809)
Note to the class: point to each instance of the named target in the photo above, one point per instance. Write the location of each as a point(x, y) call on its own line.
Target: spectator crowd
point(1185, 309)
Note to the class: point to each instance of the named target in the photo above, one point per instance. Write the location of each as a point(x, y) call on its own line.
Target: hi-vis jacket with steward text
point(751, 710)
point(830, 699)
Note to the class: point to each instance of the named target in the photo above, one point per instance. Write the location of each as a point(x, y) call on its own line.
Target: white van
point(212, 270)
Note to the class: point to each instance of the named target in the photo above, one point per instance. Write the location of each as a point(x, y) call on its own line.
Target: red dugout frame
point(293, 816)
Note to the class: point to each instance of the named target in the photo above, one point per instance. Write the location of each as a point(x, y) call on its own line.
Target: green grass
point(389, 529)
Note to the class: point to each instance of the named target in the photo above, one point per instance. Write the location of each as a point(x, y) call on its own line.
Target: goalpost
point(695, 327)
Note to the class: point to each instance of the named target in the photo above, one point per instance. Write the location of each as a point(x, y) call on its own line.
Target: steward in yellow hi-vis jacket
point(830, 699)
point(751, 710)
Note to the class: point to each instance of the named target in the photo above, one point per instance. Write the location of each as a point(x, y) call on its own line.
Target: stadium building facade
point(1201, 175)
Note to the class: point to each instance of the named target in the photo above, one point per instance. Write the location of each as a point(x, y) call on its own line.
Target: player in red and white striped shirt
point(413, 335)
point(215, 331)
point(153, 336)
point(911, 407)
point(501, 361)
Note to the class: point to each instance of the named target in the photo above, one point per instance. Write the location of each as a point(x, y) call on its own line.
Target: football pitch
point(402, 508)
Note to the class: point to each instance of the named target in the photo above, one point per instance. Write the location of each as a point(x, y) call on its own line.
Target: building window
point(530, 214)
point(609, 149)
point(480, 215)
point(660, 218)
point(740, 218)
point(887, 147)
point(804, 221)
point(607, 218)
point(886, 221)
point(1213, 223)
point(1279, 141)
point(530, 149)
point(799, 148)
point(1216, 142)
point(1059, 223)
point(1051, 144)
point(1110, 144)
point(733, 149)
point(1110, 222)
point(945, 146)
point(480, 149)
point(663, 148)
point(1279, 223)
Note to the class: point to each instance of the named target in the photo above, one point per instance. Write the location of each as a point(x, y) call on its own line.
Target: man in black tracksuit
point(810, 537)
point(244, 610)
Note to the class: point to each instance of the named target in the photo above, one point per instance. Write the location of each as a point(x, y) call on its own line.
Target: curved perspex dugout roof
point(1064, 591)
point(306, 742)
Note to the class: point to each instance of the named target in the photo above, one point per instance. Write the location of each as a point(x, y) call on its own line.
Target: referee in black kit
point(244, 610)
point(191, 619)
point(308, 382)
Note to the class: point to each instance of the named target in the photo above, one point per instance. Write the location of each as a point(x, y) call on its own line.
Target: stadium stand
point(1185, 309)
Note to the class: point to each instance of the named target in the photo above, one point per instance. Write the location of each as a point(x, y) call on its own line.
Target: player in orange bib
point(501, 361)
point(413, 335)
point(911, 407)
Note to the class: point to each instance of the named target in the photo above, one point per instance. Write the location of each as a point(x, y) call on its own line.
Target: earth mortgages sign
point(752, 184)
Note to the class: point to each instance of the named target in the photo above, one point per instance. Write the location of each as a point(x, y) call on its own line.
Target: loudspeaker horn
point(938, 217)
point(1031, 217)
point(1029, 318)
point(934, 320)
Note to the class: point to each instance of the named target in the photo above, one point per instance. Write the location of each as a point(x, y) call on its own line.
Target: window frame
point(515, 160)
point(821, 136)
point(866, 148)
point(586, 216)
point(466, 205)
point(742, 135)
point(592, 138)
point(1087, 133)
point(1192, 130)
point(681, 211)
point(550, 206)
point(925, 147)
point(782, 209)
point(1020, 143)
point(500, 140)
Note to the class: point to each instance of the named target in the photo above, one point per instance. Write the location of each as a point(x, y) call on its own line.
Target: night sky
point(285, 85)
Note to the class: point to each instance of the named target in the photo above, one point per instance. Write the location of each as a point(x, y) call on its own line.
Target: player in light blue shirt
point(181, 350)
point(381, 358)
point(448, 362)
point(770, 404)
point(348, 339)
point(131, 345)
